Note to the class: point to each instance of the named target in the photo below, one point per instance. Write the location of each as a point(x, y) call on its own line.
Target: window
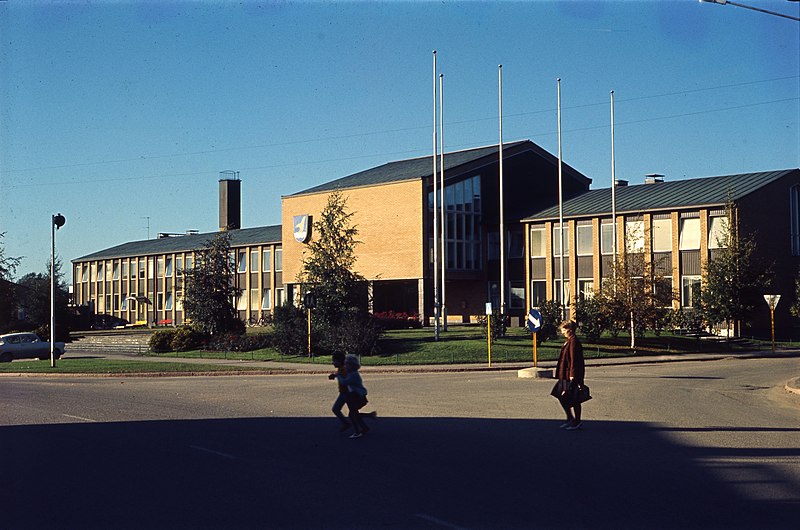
point(168, 301)
point(278, 297)
point(160, 266)
point(794, 219)
point(583, 232)
point(560, 296)
point(538, 292)
point(141, 269)
point(634, 236)
point(267, 260)
point(718, 231)
point(150, 268)
point(116, 302)
point(242, 261)
point(178, 265)
point(85, 273)
point(108, 271)
point(125, 269)
point(124, 305)
point(606, 236)
point(690, 233)
point(517, 300)
point(160, 301)
point(516, 244)
point(690, 291)
point(241, 301)
point(537, 242)
point(99, 276)
point(557, 240)
point(662, 233)
point(266, 298)
point(189, 261)
point(254, 260)
point(255, 303)
point(663, 291)
point(279, 260)
point(462, 233)
point(168, 267)
point(116, 271)
point(585, 289)
point(179, 300)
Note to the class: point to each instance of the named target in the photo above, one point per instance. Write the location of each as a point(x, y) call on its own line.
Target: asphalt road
point(677, 445)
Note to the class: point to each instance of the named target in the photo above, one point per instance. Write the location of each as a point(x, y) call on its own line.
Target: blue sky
point(113, 113)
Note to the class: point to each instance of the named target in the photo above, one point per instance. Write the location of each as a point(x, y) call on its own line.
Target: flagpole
point(613, 196)
point(502, 197)
point(435, 224)
point(560, 204)
point(442, 204)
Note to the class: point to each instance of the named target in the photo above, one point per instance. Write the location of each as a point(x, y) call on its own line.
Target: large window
point(583, 233)
point(718, 231)
point(254, 260)
point(557, 240)
point(690, 233)
point(538, 292)
point(241, 263)
point(279, 262)
point(538, 249)
point(690, 291)
point(462, 232)
point(662, 233)
point(267, 260)
point(266, 299)
point(634, 235)
point(606, 236)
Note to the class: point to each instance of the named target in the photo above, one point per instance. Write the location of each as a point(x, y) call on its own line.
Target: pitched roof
point(239, 238)
point(418, 168)
point(707, 191)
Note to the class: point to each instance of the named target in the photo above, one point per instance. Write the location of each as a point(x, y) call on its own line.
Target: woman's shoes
point(356, 435)
point(566, 424)
point(574, 426)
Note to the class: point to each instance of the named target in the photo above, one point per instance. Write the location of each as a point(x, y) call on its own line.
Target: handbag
point(574, 394)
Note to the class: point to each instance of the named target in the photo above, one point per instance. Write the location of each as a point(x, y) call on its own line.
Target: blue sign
point(534, 322)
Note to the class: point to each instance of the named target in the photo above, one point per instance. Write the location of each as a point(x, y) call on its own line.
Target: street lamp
point(58, 221)
point(724, 2)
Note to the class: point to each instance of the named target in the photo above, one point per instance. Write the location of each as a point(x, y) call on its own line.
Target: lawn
point(112, 366)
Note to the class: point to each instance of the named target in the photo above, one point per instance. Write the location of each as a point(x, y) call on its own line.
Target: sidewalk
point(793, 385)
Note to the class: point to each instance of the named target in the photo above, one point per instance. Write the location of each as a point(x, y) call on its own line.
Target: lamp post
point(725, 2)
point(58, 221)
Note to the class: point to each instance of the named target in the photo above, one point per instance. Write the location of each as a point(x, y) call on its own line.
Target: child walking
point(356, 394)
point(338, 363)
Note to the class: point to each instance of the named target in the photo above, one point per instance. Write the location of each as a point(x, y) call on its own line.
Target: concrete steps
point(131, 342)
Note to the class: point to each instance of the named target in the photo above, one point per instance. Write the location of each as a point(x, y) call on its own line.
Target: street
point(711, 444)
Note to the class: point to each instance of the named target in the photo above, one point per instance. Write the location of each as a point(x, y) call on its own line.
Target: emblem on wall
point(302, 227)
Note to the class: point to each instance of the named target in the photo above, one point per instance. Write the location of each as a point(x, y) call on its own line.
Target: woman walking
point(570, 372)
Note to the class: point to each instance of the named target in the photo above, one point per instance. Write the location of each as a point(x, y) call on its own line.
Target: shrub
point(498, 325)
point(187, 338)
point(290, 330)
point(590, 318)
point(551, 312)
point(161, 341)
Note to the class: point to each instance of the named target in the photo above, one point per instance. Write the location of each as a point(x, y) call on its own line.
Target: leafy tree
point(8, 291)
point(734, 280)
point(633, 297)
point(551, 312)
point(340, 319)
point(209, 291)
point(590, 318)
point(34, 297)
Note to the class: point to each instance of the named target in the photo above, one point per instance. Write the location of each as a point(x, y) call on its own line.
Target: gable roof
point(707, 191)
point(419, 168)
point(239, 238)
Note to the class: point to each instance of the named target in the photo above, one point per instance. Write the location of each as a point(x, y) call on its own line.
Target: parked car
point(27, 346)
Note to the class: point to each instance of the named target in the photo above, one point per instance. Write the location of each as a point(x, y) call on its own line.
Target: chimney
point(230, 200)
point(620, 183)
point(653, 178)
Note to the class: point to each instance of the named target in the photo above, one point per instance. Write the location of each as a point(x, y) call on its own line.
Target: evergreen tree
point(34, 297)
point(209, 293)
point(340, 319)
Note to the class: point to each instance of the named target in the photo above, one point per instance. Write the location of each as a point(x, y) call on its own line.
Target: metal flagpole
point(613, 197)
point(502, 197)
point(442, 204)
point(435, 224)
point(560, 205)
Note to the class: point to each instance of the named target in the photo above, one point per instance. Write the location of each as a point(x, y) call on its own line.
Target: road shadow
point(406, 473)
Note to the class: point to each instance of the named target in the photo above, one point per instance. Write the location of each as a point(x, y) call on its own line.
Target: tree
point(340, 319)
point(8, 291)
point(634, 296)
point(794, 310)
point(734, 279)
point(209, 292)
point(34, 298)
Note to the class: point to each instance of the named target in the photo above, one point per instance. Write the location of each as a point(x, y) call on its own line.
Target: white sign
point(301, 231)
point(488, 308)
point(772, 300)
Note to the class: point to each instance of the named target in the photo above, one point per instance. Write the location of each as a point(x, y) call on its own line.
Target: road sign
point(488, 308)
point(772, 300)
point(534, 322)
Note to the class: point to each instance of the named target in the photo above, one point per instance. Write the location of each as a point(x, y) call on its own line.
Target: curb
point(793, 386)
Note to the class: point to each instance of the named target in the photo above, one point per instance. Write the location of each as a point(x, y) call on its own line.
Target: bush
point(498, 326)
point(243, 343)
point(187, 338)
point(290, 330)
point(590, 318)
point(161, 341)
point(551, 312)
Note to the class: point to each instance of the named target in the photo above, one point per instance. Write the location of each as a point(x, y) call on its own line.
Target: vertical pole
point(309, 332)
point(52, 290)
point(772, 321)
point(435, 217)
point(443, 224)
point(560, 207)
point(535, 361)
point(489, 336)
point(502, 199)
point(613, 198)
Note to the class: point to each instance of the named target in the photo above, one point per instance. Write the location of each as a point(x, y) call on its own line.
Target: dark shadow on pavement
point(406, 473)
